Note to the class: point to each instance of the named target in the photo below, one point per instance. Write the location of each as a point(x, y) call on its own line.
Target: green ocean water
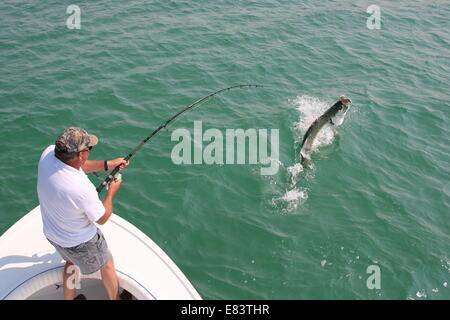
point(377, 192)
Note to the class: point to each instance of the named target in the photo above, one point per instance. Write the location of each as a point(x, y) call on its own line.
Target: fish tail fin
point(303, 160)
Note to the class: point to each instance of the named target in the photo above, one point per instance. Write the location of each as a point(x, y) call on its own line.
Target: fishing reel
point(117, 177)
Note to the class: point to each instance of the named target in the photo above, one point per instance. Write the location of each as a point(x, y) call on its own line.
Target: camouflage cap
point(74, 139)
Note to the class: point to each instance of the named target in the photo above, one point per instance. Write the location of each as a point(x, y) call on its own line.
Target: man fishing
point(70, 207)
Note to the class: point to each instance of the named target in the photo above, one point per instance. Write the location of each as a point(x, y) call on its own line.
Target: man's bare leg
point(69, 288)
point(110, 281)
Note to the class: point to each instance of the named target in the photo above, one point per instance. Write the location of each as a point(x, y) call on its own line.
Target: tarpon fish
point(333, 116)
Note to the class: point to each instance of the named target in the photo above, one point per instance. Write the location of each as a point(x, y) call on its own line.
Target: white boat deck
point(30, 268)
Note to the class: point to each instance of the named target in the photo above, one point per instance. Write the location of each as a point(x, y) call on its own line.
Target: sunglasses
point(88, 149)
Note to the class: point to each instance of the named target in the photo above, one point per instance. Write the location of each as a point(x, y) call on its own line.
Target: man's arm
point(99, 165)
point(108, 200)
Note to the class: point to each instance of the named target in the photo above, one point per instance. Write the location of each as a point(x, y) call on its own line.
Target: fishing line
point(164, 126)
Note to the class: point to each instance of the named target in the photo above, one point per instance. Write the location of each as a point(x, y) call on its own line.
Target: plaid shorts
point(89, 256)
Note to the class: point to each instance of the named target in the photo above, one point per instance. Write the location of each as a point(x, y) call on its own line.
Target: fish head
point(346, 102)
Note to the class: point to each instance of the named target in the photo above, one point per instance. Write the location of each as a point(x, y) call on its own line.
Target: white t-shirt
point(69, 202)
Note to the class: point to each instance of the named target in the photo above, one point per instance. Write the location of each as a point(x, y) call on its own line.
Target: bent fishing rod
point(164, 126)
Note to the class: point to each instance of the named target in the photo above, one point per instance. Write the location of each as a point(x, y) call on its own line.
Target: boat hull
point(30, 267)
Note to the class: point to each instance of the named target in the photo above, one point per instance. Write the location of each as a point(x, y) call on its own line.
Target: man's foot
point(125, 295)
point(80, 297)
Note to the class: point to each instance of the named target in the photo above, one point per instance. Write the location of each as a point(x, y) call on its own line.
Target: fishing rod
point(164, 126)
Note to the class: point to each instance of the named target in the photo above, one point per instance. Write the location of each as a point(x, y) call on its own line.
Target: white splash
point(294, 195)
point(294, 172)
point(290, 200)
point(421, 294)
